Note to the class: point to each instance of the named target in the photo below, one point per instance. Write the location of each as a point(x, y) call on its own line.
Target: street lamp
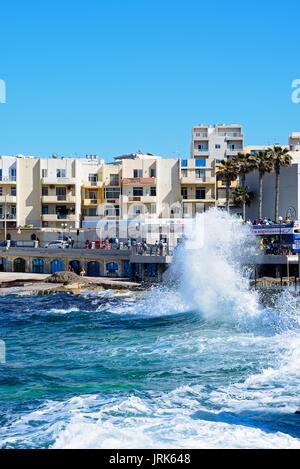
point(280, 219)
point(64, 226)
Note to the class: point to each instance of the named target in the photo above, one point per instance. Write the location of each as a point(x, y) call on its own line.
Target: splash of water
point(213, 278)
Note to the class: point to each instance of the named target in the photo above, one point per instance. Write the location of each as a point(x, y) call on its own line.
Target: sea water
point(197, 362)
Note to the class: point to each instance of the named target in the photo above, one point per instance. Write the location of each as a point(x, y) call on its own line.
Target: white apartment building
point(210, 144)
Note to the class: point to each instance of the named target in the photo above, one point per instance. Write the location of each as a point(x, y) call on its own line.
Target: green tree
point(228, 171)
point(242, 196)
point(281, 158)
point(264, 163)
point(246, 164)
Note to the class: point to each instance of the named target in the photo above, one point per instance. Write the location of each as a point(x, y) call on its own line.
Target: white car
point(58, 244)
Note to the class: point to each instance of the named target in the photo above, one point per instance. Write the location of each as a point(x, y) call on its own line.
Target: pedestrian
point(156, 246)
point(72, 243)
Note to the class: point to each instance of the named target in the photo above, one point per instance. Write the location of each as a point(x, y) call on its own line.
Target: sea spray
point(212, 267)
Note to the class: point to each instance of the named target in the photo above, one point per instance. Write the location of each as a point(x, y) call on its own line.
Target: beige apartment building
point(69, 193)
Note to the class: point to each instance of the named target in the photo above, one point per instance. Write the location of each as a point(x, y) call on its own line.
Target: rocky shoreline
point(62, 282)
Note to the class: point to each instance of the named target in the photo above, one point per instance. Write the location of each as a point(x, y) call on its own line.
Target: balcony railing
point(58, 181)
point(58, 217)
point(71, 199)
point(8, 179)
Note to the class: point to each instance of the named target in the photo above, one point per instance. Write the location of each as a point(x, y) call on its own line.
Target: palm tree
point(264, 163)
point(246, 164)
point(228, 171)
point(281, 158)
point(242, 196)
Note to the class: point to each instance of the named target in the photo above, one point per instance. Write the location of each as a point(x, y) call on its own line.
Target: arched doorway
point(19, 265)
point(56, 265)
point(112, 269)
point(38, 266)
point(93, 269)
point(75, 266)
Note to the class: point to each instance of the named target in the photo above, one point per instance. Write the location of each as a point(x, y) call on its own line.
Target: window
point(113, 211)
point(45, 191)
point(1, 174)
point(184, 192)
point(137, 191)
point(44, 173)
point(200, 194)
point(13, 174)
point(153, 173)
point(184, 163)
point(60, 173)
point(93, 195)
point(217, 146)
point(202, 147)
point(137, 173)
point(153, 191)
point(232, 146)
point(112, 193)
point(1, 191)
point(114, 179)
point(45, 209)
point(13, 211)
point(184, 173)
point(93, 179)
point(61, 193)
point(92, 212)
point(200, 163)
point(137, 210)
point(13, 191)
point(200, 174)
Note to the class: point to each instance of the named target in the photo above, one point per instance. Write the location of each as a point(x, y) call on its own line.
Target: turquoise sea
point(199, 362)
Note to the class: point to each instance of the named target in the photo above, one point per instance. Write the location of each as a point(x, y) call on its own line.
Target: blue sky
point(109, 77)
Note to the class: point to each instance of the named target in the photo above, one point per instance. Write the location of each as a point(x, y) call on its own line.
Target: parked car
point(58, 244)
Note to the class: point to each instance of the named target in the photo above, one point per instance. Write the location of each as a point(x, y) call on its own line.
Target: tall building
point(210, 144)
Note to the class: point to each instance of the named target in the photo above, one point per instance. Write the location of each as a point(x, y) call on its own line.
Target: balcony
point(139, 181)
point(198, 152)
point(91, 202)
point(193, 180)
point(93, 184)
point(53, 199)
point(58, 218)
point(231, 135)
point(200, 135)
point(8, 180)
point(9, 199)
point(235, 152)
point(55, 181)
point(194, 200)
point(148, 199)
point(9, 217)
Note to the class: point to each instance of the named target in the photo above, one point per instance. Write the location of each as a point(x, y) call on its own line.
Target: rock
point(64, 277)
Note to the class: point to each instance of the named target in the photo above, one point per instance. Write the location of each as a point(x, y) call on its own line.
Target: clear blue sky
point(113, 76)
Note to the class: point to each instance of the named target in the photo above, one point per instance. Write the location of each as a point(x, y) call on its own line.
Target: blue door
point(38, 266)
point(56, 266)
point(127, 270)
point(93, 269)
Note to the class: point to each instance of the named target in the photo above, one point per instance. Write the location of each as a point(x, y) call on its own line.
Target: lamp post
point(64, 227)
point(280, 223)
